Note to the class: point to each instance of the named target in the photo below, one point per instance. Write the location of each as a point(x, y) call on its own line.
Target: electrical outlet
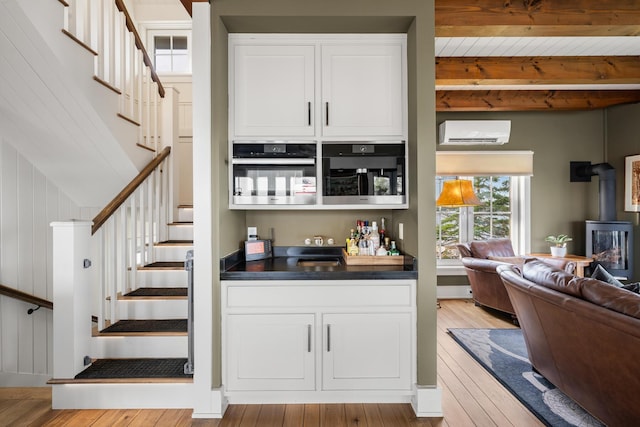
point(400, 231)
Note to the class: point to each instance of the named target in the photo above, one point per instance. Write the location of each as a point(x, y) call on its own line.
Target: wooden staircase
point(143, 348)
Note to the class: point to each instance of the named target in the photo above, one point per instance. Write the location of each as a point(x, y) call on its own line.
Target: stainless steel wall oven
point(364, 173)
point(273, 172)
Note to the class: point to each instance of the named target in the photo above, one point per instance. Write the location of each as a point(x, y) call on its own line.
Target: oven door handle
point(304, 161)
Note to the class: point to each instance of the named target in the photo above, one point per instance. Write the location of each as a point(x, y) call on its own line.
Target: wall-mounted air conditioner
point(475, 132)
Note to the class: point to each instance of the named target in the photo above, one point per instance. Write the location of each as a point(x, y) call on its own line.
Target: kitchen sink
point(331, 262)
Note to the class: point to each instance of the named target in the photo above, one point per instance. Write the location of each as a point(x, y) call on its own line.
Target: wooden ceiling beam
point(531, 100)
point(487, 18)
point(521, 70)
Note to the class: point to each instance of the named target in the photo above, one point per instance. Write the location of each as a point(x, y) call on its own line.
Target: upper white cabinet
point(362, 90)
point(317, 86)
point(272, 90)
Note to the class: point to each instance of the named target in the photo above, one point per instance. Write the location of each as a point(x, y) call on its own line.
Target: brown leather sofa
point(481, 258)
point(583, 335)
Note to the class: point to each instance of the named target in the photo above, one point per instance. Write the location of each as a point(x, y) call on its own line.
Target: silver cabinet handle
point(326, 113)
point(328, 338)
point(309, 113)
point(308, 338)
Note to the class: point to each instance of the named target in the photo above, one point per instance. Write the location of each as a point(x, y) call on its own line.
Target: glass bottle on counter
point(393, 251)
point(374, 237)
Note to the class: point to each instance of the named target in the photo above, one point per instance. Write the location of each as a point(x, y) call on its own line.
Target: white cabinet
point(270, 352)
point(362, 90)
point(366, 351)
point(317, 86)
point(272, 90)
point(318, 340)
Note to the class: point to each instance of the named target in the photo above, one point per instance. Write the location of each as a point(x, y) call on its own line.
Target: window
point(502, 214)
point(171, 51)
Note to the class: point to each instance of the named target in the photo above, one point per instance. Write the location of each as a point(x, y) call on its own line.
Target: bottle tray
point(372, 259)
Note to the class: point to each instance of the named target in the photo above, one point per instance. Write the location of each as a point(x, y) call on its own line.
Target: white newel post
point(170, 135)
point(71, 297)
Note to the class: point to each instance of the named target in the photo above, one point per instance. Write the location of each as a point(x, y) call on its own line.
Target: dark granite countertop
point(284, 266)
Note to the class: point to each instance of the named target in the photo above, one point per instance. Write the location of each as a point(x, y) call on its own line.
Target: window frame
point(152, 33)
point(520, 222)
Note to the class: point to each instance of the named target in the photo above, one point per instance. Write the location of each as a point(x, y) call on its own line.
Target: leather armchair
point(481, 258)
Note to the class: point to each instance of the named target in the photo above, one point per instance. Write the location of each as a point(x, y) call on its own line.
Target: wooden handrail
point(22, 296)
point(147, 60)
point(109, 210)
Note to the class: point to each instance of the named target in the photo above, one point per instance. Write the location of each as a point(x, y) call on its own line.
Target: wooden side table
point(581, 261)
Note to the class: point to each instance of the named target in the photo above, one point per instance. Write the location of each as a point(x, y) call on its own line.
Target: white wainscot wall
point(29, 202)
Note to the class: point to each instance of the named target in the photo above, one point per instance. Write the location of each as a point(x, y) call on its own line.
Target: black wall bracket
point(580, 172)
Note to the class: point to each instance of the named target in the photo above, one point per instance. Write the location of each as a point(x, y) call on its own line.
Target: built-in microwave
point(364, 173)
point(272, 173)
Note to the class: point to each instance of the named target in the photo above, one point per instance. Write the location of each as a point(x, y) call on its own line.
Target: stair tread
point(157, 292)
point(135, 368)
point(163, 265)
point(175, 243)
point(147, 326)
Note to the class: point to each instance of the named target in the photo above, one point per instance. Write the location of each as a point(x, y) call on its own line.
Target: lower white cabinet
point(270, 352)
point(293, 341)
point(367, 351)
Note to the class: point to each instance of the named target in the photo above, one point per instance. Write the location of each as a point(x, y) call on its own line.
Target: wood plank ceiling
point(524, 55)
point(503, 55)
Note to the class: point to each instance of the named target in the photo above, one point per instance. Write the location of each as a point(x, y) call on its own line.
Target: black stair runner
point(158, 292)
point(162, 325)
point(135, 368)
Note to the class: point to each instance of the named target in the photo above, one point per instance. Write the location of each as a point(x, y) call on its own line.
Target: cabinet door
point(270, 352)
point(367, 351)
point(273, 90)
point(362, 90)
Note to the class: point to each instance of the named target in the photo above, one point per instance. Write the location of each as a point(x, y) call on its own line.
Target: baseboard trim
point(12, 379)
point(453, 292)
point(427, 402)
point(219, 405)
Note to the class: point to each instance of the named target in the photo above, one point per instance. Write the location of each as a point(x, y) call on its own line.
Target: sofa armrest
point(559, 263)
point(481, 264)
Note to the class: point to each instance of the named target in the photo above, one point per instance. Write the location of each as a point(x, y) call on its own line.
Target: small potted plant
point(558, 244)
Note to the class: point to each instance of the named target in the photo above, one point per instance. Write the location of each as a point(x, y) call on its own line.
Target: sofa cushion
point(586, 288)
point(633, 287)
point(611, 297)
point(491, 247)
point(543, 274)
point(602, 274)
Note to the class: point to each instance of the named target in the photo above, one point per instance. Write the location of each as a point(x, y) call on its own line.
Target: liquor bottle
point(374, 237)
point(393, 251)
point(382, 231)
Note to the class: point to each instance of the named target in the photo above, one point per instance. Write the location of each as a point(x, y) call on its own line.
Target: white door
point(270, 352)
point(367, 351)
point(273, 88)
point(362, 90)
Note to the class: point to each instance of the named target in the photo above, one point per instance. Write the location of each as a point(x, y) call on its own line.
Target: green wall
point(623, 139)
point(556, 138)
point(414, 17)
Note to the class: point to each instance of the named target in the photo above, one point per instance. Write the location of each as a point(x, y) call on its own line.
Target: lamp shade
point(457, 193)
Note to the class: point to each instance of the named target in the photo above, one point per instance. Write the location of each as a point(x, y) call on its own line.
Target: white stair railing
point(126, 230)
point(122, 63)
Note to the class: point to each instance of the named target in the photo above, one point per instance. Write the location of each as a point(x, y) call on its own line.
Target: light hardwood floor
point(471, 397)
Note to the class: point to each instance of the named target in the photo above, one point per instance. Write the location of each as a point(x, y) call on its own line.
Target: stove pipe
point(582, 171)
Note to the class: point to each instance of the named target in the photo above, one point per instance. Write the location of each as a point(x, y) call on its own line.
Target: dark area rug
point(164, 325)
point(135, 368)
point(503, 353)
point(158, 292)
